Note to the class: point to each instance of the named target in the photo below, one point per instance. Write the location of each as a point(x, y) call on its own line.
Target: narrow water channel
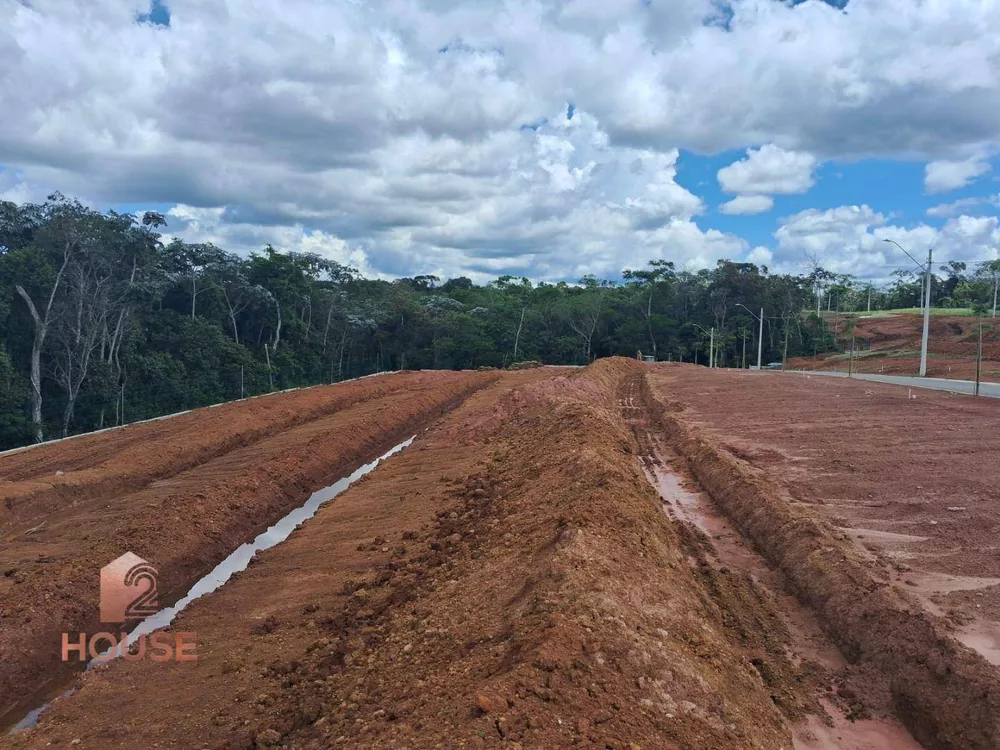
point(683, 500)
point(236, 561)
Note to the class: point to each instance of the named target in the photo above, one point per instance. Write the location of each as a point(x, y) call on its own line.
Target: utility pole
point(743, 362)
point(979, 353)
point(927, 317)
point(760, 335)
point(784, 354)
point(760, 339)
point(850, 366)
point(711, 345)
point(925, 303)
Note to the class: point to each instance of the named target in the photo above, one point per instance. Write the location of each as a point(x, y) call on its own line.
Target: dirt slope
point(890, 345)
point(507, 580)
point(187, 523)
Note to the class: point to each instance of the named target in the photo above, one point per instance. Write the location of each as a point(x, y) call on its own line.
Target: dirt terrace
point(508, 580)
point(902, 565)
point(41, 479)
point(895, 347)
point(196, 486)
point(542, 569)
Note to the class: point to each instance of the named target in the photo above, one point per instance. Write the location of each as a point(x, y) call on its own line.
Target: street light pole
point(760, 339)
point(760, 335)
point(927, 319)
point(926, 303)
point(711, 345)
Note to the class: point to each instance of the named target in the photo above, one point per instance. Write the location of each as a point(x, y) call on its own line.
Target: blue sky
point(895, 188)
point(431, 136)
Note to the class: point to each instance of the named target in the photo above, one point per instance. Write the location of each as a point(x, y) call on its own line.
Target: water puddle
point(862, 734)
point(689, 504)
point(237, 561)
point(984, 637)
point(884, 537)
point(683, 500)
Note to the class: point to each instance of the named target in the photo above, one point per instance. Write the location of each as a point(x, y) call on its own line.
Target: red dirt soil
point(45, 477)
point(890, 345)
point(228, 477)
point(839, 482)
point(532, 573)
point(507, 580)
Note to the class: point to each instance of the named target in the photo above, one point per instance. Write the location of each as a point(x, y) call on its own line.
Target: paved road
point(938, 384)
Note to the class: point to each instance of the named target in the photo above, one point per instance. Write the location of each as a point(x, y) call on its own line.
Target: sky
point(543, 138)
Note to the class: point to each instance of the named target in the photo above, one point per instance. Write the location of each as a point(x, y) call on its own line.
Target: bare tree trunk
point(517, 337)
point(343, 345)
point(270, 377)
point(649, 322)
point(277, 331)
point(36, 379)
point(41, 329)
point(326, 330)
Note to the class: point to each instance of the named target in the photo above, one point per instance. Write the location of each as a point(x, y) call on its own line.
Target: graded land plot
point(508, 580)
point(568, 558)
point(890, 345)
point(216, 478)
point(880, 506)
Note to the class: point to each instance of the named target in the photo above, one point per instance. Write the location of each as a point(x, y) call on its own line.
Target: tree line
point(106, 320)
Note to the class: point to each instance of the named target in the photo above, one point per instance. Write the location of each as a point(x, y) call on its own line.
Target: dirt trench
point(185, 524)
point(947, 695)
point(509, 580)
point(816, 689)
point(38, 481)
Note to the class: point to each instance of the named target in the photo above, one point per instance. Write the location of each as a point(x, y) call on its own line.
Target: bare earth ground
point(41, 479)
point(895, 347)
point(509, 579)
point(908, 482)
point(624, 556)
point(191, 489)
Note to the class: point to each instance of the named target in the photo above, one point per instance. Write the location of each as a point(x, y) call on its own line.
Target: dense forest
point(103, 320)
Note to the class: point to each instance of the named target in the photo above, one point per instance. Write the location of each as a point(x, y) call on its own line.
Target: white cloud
point(769, 170)
point(762, 256)
point(851, 240)
point(209, 225)
point(748, 205)
point(395, 127)
point(942, 176)
point(944, 210)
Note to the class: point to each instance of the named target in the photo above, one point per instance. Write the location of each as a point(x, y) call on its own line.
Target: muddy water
point(981, 635)
point(237, 560)
point(683, 501)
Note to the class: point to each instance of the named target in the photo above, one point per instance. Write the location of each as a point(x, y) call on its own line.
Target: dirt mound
point(509, 579)
point(186, 524)
point(529, 364)
point(37, 480)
